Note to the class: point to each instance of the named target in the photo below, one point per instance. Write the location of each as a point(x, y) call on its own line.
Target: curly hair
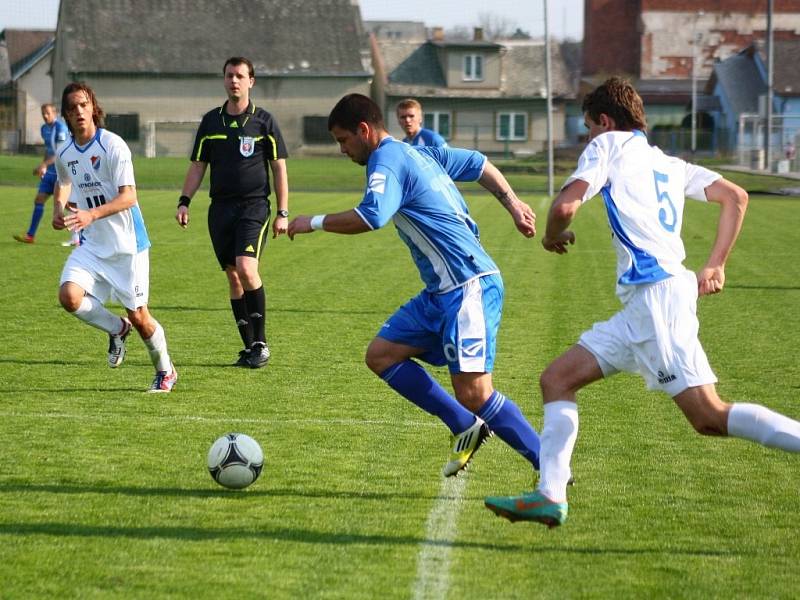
point(618, 99)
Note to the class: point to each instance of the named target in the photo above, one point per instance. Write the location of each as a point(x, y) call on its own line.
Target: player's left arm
point(79, 219)
point(496, 183)
point(733, 204)
point(280, 181)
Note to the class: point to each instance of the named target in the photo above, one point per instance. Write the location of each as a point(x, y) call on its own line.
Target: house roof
point(178, 37)
point(25, 47)
point(740, 80)
point(415, 70)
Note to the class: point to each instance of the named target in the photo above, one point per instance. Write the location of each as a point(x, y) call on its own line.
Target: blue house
point(740, 84)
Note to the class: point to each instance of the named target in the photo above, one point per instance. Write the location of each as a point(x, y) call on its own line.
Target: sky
point(565, 16)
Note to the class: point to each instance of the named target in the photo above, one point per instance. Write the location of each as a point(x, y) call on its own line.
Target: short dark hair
point(98, 115)
point(618, 99)
point(354, 109)
point(236, 61)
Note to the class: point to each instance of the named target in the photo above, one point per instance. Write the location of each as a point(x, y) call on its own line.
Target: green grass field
point(104, 491)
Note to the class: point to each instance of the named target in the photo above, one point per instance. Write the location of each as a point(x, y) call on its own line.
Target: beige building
point(487, 95)
point(157, 72)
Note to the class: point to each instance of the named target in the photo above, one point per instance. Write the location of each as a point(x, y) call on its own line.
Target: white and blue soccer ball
point(235, 460)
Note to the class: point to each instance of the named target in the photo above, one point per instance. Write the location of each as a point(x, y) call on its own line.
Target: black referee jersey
point(238, 148)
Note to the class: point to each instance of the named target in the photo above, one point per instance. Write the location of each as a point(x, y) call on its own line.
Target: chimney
point(477, 34)
point(438, 34)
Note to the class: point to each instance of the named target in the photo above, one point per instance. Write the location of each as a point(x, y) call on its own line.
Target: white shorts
point(655, 335)
point(124, 277)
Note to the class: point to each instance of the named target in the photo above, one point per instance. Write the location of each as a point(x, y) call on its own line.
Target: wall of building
point(36, 87)
point(667, 37)
point(176, 105)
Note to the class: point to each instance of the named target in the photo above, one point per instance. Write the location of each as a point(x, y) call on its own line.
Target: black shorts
point(238, 229)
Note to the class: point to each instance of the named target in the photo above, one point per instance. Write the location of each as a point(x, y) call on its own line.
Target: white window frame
point(512, 137)
point(469, 67)
point(435, 115)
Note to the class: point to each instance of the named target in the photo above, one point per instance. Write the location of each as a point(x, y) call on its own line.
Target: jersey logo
point(95, 162)
point(246, 146)
point(377, 183)
point(249, 248)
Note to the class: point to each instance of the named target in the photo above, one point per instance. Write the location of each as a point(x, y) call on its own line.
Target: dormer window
point(473, 67)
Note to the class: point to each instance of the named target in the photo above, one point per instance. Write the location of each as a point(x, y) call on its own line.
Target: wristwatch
point(282, 213)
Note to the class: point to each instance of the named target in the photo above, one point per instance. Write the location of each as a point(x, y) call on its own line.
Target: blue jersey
point(414, 187)
point(426, 137)
point(54, 135)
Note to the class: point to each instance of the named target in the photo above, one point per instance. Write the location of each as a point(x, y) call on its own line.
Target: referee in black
point(239, 140)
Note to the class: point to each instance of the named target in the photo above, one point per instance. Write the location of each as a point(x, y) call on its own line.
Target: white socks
point(759, 424)
point(93, 312)
point(157, 348)
point(557, 442)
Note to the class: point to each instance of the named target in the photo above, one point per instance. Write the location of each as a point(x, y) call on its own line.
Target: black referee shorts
point(238, 228)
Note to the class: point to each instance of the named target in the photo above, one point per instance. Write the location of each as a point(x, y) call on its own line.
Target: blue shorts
point(48, 182)
point(457, 329)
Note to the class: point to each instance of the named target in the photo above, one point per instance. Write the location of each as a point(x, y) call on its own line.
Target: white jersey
point(644, 192)
point(96, 172)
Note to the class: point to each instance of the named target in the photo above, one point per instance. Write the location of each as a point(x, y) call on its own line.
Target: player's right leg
point(560, 382)
point(90, 310)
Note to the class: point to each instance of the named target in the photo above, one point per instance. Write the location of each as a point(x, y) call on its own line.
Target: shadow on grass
point(780, 288)
point(307, 536)
point(270, 310)
point(16, 488)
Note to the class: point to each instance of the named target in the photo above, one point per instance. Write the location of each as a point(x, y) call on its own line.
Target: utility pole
point(549, 94)
point(696, 37)
point(768, 119)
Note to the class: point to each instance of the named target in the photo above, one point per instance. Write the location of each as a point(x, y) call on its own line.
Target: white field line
point(433, 561)
point(215, 419)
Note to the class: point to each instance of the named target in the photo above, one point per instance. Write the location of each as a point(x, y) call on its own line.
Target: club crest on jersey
point(472, 347)
point(247, 146)
point(95, 162)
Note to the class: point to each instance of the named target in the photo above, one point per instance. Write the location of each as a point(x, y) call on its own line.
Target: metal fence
point(784, 139)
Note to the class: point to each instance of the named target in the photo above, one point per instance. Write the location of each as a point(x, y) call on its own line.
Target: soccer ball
point(235, 460)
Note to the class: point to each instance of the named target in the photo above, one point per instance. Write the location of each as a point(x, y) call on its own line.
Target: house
point(25, 85)
point(157, 67)
point(740, 84)
point(487, 95)
point(669, 48)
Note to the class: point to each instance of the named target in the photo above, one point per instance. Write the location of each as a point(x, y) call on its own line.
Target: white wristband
point(316, 222)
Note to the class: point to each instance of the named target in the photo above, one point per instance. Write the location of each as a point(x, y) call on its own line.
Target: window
point(315, 130)
point(473, 67)
point(512, 126)
point(125, 126)
point(439, 122)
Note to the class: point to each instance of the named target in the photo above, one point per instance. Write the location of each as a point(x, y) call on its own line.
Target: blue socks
point(502, 416)
point(506, 420)
point(415, 384)
point(36, 217)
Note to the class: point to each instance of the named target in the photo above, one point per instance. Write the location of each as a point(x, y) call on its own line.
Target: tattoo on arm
point(506, 198)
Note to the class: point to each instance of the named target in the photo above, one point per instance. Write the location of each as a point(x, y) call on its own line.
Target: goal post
point(169, 138)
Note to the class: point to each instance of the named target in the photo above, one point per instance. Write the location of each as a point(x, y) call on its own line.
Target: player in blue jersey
point(409, 116)
point(96, 187)
point(54, 133)
point(655, 333)
point(455, 319)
